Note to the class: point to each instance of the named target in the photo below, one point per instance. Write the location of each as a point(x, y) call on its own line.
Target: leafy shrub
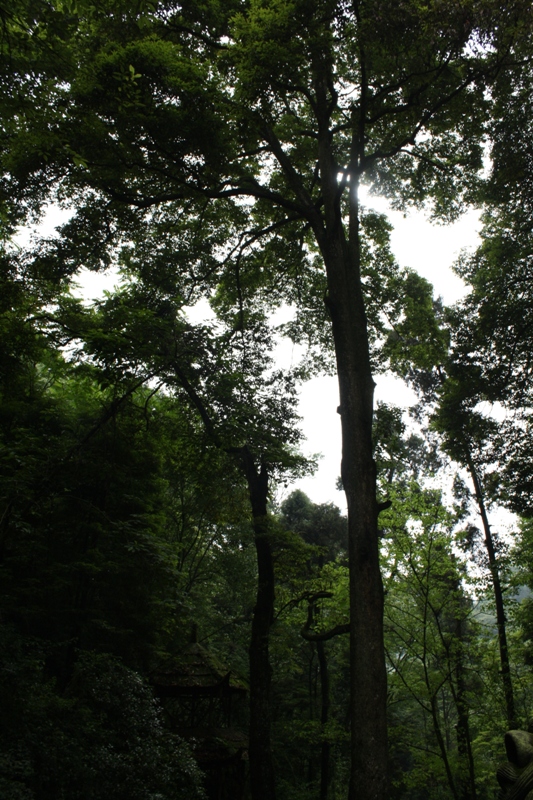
point(102, 738)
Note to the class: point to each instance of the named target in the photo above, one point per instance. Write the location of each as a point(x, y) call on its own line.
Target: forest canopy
point(211, 155)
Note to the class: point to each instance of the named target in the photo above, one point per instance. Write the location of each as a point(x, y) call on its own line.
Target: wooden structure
point(202, 701)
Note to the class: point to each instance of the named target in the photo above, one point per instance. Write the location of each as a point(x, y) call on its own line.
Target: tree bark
point(356, 389)
point(368, 676)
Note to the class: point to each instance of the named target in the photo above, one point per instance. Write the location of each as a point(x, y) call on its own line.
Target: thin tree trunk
point(466, 782)
point(455, 652)
point(262, 782)
point(319, 639)
point(498, 598)
point(442, 745)
point(325, 746)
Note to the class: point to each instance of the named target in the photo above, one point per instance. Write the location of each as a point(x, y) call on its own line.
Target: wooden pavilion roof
point(196, 671)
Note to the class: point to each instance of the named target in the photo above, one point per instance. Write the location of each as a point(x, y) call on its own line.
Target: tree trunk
point(442, 744)
point(368, 779)
point(261, 767)
point(466, 781)
point(324, 716)
point(498, 599)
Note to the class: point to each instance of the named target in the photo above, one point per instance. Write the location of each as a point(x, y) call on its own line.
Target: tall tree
point(170, 114)
point(247, 410)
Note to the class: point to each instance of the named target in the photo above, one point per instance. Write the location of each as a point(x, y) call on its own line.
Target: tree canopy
point(214, 153)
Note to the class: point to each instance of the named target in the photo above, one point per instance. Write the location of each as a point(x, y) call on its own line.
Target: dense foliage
point(209, 156)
